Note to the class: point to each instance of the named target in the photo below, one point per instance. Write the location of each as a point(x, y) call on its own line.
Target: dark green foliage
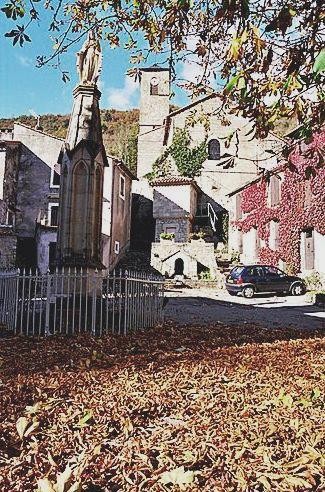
point(188, 160)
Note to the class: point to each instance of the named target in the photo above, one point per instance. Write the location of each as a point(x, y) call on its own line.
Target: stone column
point(82, 162)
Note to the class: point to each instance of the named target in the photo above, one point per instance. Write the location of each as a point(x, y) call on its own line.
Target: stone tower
point(154, 108)
point(82, 160)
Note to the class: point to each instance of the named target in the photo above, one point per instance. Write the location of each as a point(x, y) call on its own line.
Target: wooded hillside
point(120, 129)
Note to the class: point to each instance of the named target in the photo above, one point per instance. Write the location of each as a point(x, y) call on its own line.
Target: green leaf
point(315, 393)
point(232, 83)
point(85, 419)
point(319, 65)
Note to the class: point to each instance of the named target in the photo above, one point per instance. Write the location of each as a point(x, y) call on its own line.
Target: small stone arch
point(179, 266)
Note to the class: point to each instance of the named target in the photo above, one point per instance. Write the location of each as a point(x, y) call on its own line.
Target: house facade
point(29, 201)
point(229, 163)
point(279, 218)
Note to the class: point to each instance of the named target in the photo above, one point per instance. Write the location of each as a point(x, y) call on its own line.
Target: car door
point(255, 275)
point(260, 279)
point(275, 279)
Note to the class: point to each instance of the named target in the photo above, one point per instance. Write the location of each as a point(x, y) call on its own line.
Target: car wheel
point(297, 289)
point(248, 292)
point(232, 293)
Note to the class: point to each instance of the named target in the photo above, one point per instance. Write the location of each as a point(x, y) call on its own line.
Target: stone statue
point(89, 60)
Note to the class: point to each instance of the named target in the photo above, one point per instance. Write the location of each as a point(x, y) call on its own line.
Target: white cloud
point(191, 71)
point(123, 98)
point(25, 61)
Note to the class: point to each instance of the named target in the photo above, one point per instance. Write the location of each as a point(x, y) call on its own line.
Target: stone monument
point(82, 160)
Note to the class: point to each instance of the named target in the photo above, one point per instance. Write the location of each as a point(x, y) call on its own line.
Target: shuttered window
point(274, 241)
point(274, 191)
point(239, 210)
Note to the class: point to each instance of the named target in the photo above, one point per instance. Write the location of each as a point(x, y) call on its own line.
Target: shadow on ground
point(262, 311)
point(153, 348)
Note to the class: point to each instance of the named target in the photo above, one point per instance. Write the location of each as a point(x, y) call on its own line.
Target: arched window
point(214, 150)
point(79, 206)
point(154, 84)
point(97, 206)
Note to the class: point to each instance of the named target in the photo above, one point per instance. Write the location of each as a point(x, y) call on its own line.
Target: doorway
point(179, 266)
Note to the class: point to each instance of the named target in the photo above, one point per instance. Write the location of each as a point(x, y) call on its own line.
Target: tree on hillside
point(267, 55)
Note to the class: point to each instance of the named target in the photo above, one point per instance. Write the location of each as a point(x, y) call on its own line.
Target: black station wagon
point(252, 279)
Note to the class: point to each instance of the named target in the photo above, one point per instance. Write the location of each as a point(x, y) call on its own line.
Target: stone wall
point(120, 214)
point(9, 164)
point(193, 254)
point(39, 155)
point(8, 244)
point(182, 228)
point(153, 111)
point(142, 223)
point(177, 200)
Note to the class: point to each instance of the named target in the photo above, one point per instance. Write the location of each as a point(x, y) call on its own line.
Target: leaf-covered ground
point(204, 409)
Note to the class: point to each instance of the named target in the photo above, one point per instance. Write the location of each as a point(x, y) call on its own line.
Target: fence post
point(126, 302)
point(94, 300)
point(47, 304)
point(16, 300)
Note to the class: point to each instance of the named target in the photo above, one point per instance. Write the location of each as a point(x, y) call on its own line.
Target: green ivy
point(225, 227)
point(188, 160)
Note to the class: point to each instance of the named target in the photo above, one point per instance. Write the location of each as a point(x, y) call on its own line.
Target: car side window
point(272, 271)
point(258, 272)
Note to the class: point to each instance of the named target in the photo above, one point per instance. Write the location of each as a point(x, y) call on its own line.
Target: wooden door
point(309, 249)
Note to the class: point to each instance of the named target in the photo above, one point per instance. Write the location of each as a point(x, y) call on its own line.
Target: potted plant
point(167, 236)
point(198, 236)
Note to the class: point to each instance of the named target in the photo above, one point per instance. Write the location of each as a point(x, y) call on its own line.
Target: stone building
point(279, 217)
point(30, 185)
point(29, 201)
point(230, 163)
point(116, 222)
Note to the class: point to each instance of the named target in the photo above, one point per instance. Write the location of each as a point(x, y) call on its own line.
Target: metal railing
point(74, 301)
point(207, 210)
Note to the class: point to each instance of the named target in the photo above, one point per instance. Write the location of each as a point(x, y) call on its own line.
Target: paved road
point(207, 307)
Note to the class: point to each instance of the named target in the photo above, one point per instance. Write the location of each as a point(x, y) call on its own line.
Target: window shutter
point(274, 191)
point(239, 211)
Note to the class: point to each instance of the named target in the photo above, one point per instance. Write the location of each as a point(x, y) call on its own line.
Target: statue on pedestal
point(89, 60)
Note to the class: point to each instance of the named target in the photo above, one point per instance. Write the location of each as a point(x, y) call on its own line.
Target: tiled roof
point(173, 180)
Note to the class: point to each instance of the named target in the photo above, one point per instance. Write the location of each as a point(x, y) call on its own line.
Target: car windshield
point(237, 271)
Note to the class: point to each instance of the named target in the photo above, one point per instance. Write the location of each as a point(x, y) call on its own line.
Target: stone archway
point(179, 266)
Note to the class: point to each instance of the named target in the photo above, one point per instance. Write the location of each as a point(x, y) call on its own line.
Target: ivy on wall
point(293, 213)
point(188, 159)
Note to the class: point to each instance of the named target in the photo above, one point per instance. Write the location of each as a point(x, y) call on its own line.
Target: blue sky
point(25, 89)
